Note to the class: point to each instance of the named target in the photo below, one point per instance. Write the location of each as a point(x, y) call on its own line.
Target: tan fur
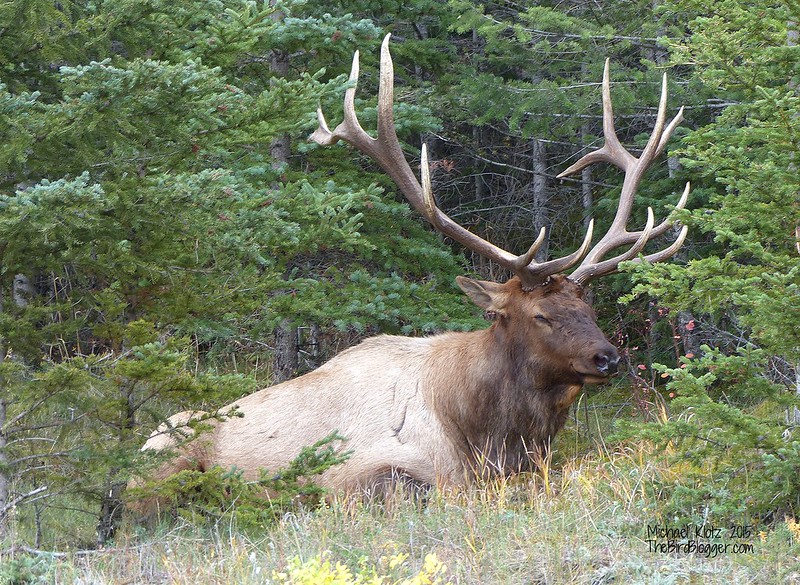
point(430, 409)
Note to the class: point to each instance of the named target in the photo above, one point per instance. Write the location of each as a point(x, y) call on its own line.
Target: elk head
point(550, 326)
point(550, 303)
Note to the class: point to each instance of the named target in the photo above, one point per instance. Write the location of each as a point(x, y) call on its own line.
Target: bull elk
point(432, 410)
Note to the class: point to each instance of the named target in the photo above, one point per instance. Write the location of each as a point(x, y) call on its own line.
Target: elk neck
point(498, 397)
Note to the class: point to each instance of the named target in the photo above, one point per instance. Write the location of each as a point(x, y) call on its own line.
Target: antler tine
point(350, 129)
point(612, 150)
point(586, 272)
point(669, 251)
point(670, 127)
point(634, 168)
point(387, 152)
point(545, 269)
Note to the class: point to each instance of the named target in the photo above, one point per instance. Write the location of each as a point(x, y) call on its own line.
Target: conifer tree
point(155, 244)
point(734, 402)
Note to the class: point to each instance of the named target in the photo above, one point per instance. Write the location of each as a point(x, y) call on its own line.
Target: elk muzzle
point(599, 362)
point(607, 361)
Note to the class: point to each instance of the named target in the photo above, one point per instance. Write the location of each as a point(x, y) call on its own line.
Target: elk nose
point(607, 361)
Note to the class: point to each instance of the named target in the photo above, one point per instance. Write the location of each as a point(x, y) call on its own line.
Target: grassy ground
point(584, 521)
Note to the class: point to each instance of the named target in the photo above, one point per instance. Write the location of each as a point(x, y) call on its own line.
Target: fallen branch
point(19, 499)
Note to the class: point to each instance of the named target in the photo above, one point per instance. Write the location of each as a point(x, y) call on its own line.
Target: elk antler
point(386, 151)
point(613, 152)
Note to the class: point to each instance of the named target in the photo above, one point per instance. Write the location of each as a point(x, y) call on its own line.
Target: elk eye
point(542, 319)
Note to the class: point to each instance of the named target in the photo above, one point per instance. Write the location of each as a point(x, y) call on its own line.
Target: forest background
point(169, 239)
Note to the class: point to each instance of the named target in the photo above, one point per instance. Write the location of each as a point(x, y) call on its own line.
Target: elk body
point(435, 410)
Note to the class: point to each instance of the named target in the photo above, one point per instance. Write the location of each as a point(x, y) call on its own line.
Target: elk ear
point(489, 296)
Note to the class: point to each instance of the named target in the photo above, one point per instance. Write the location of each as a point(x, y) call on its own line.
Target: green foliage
point(27, 570)
point(736, 46)
point(748, 155)
point(149, 240)
point(218, 493)
point(731, 434)
point(94, 407)
point(726, 439)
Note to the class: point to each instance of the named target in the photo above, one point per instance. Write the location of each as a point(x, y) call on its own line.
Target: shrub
point(217, 492)
point(319, 569)
point(727, 440)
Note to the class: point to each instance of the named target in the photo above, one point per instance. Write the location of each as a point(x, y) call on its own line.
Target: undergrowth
point(596, 512)
point(588, 520)
point(216, 493)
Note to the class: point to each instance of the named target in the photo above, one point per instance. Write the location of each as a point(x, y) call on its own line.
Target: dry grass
point(582, 522)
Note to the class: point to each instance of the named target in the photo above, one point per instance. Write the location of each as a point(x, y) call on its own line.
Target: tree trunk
point(21, 291)
point(659, 54)
point(792, 39)
point(480, 184)
point(587, 195)
point(111, 508)
point(311, 346)
point(111, 502)
point(540, 196)
point(285, 361)
point(5, 478)
point(280, 149)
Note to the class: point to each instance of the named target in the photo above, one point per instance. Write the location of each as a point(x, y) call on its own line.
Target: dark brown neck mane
point(503, 407)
